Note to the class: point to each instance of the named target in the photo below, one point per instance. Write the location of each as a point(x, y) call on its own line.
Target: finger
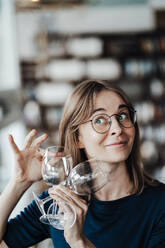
point(79, 206)
point(29, 139)
point(61, 190)
point(61, 198)
point(39, 140)
point(66, 209)
point(65, 206)
point(40, 152)
point(13, 144)
point(39, 157)
point(55, 154)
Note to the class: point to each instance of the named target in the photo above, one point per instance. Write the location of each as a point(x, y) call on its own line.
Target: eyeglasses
point(101, 123)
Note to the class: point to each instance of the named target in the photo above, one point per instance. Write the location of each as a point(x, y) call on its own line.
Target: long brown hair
point(78, 108)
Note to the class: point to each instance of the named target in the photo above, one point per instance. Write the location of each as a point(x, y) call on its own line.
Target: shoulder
point(156, 190)
point(157, 205)
point(155, 194)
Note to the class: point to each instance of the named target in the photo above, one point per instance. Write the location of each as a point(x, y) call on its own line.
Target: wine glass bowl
point(56, 165)
point(88, 177)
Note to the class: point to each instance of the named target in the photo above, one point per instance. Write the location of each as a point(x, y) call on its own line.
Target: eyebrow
point(103, 109)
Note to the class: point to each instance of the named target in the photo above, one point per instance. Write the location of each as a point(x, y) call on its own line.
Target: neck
point(119, 184)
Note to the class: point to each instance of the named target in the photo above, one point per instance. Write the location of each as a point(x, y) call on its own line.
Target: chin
point(111, 157)
point(112, 160)
point(118, 158)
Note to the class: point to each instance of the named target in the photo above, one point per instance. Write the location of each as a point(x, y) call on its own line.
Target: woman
point(98, 121)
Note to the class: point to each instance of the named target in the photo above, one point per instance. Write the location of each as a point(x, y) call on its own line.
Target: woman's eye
point(123, 116)
point(100, 121)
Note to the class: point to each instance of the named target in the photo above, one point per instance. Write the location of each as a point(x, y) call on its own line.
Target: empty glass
point(56, 166)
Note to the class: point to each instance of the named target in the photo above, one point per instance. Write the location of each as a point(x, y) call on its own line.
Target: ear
point(80, 142)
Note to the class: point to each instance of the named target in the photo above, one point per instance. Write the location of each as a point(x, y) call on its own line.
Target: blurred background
point(47, 47)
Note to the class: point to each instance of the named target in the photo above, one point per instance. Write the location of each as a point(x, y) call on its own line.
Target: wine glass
point(56, 166)
point(84, 179)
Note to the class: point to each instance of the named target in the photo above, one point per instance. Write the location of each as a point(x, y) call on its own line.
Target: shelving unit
point(134, 61)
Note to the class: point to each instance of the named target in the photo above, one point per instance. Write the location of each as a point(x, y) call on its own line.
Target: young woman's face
point(114, 145)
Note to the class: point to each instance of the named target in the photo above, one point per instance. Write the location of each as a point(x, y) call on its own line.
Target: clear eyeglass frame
point(130, 122)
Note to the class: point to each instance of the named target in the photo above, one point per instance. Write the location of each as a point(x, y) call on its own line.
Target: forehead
point(109, 100)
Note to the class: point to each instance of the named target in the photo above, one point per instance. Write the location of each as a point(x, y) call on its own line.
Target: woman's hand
point(73, 235)
point(27, 168)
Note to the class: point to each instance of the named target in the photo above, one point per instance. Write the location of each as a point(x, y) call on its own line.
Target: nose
point(115, 127)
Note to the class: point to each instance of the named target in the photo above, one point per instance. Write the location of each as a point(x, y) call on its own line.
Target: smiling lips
point(117, 144)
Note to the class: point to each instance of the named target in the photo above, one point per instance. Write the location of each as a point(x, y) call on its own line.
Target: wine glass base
point(56, 222)
point(44, 219)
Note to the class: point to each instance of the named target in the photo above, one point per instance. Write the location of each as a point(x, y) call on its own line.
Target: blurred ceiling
point(28, 4)
point(21, 4)
point(64, 4)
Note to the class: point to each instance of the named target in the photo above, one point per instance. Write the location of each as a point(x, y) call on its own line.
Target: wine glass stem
point(48, 198)
point(45, 200)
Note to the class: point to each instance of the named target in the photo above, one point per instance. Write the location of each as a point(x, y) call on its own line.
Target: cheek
point(85, 136)
point(131, 134)
point(88, 135)
point(94, 136)
point(92, 139)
